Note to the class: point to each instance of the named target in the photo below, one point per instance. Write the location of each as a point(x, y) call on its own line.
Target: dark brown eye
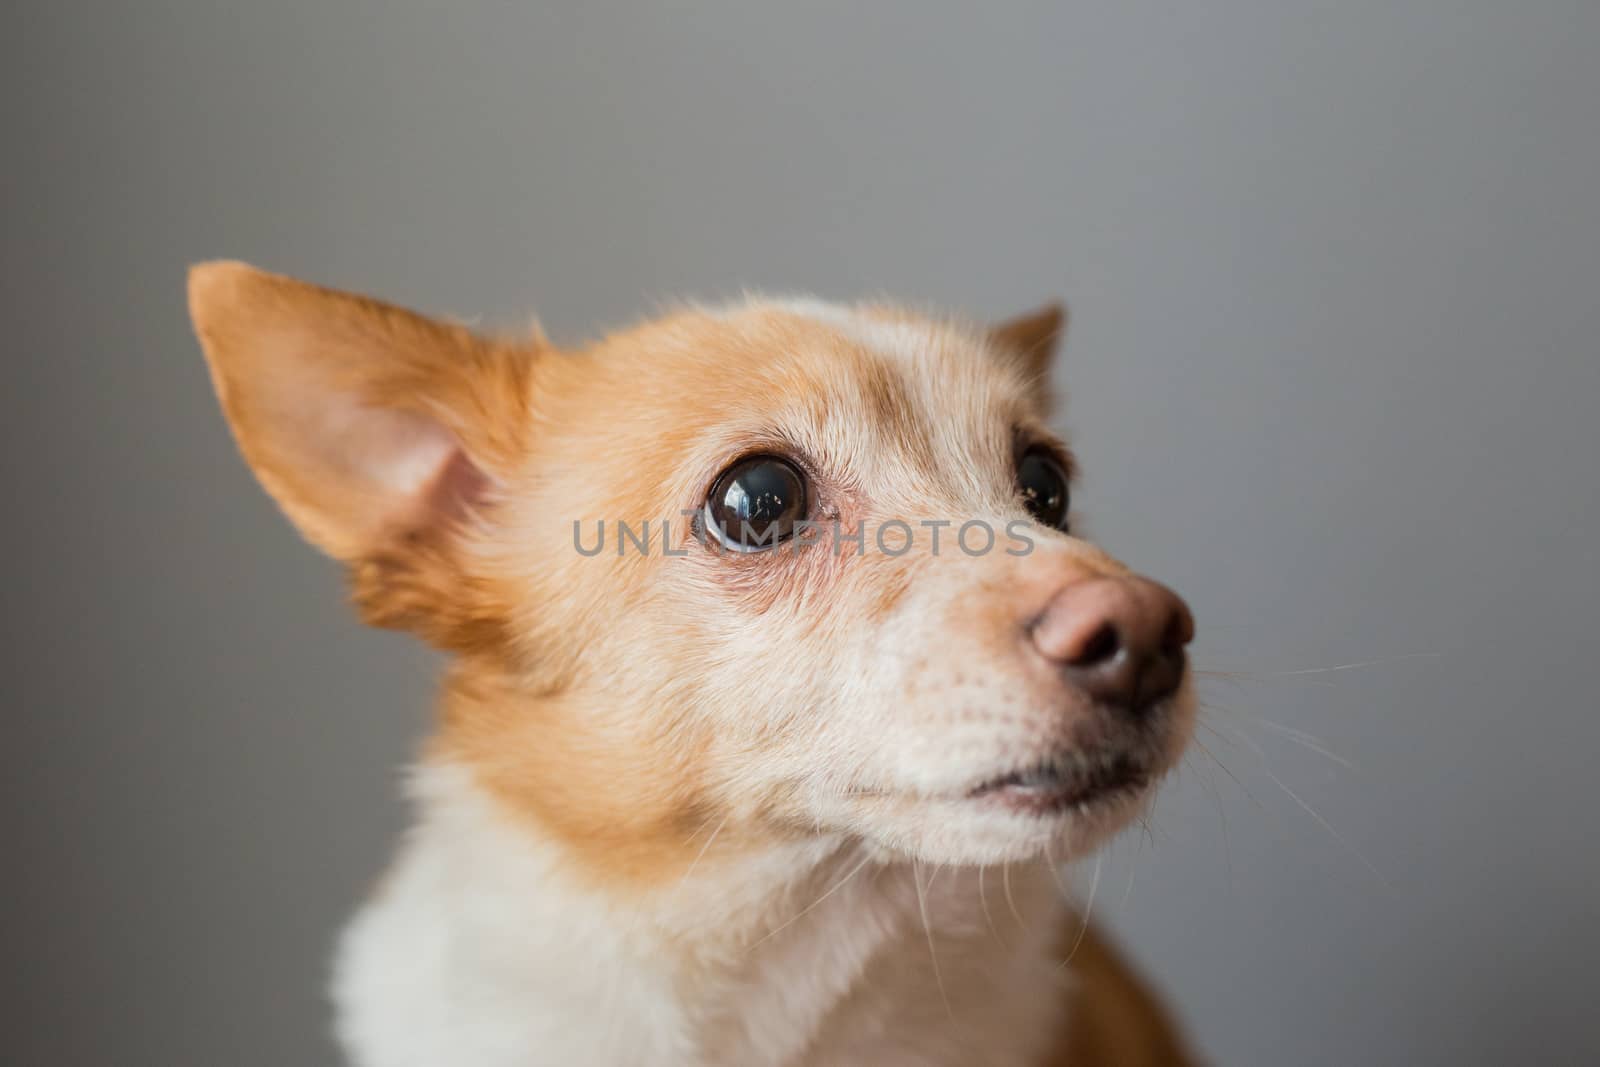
point(1044, 489)
point(756, 503)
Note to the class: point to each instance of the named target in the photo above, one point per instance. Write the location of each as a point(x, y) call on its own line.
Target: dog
point(753, 748)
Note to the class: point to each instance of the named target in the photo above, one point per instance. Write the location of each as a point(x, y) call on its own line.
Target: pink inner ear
point(420, 462)
point(460, 485)
point(396, 450)
point(410, 468)
point(344, 407)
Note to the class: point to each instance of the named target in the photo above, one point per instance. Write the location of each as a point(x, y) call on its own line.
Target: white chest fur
point(477, 951)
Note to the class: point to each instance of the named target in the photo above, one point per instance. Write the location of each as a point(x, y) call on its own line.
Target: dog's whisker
point(1088, 910)
point(698, 856)
point(1326, 825)
point(1201, 745)
point(1384, 661)
point(1133, 866)
point(1209, 784)
point(803, 912)
point(1300, 737)
point(1215, 729)
point(672, 895)
point(1221, 676)
point(1298, 800)
point(1237, 676)
point(983, 902)
point(1055, 870)
point(927, 929)
point(1011, 901)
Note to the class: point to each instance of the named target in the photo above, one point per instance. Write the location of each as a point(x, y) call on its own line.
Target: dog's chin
point(1060, 804)
point(1044, 810)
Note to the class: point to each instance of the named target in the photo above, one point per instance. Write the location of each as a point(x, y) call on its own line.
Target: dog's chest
point(880, 973)
point(468, 955)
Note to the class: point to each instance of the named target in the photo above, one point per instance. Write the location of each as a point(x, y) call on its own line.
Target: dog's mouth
point(1071, 778)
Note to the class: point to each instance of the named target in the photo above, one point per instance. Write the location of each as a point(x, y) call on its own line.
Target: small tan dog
point(754, 749)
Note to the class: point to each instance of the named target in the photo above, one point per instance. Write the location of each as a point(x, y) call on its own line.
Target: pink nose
point(1119, 640)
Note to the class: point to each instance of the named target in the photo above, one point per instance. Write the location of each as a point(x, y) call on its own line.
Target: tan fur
point(1034, 337)
point(601, 699)
point(277, 347)
point(1116, 1020)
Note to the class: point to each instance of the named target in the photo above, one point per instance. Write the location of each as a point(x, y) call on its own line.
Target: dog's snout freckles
point(1020, 659)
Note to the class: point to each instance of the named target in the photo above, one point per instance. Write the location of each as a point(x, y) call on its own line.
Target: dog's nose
point(1119, 640)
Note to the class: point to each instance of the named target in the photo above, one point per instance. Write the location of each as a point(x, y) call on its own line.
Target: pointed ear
point(1034, 338)
point(374, 428)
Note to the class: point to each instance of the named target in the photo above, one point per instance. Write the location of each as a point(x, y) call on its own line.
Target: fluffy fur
point(699, 808)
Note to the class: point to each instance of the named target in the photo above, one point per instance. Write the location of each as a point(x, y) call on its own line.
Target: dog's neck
point(481, 946)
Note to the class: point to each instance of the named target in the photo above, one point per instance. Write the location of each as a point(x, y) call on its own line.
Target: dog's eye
point(755, 503)
point(1044, 488)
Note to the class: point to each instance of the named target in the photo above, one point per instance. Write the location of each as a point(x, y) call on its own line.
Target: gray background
point(1333, 374)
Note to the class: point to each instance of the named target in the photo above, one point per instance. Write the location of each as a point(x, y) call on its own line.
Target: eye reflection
point(1044, 488)
point(756, 503)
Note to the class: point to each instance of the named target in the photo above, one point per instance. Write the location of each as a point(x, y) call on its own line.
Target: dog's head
point(781, 570)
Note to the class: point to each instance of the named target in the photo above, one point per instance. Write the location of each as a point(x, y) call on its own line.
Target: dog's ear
point(374, 428)
point(1033, 337)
